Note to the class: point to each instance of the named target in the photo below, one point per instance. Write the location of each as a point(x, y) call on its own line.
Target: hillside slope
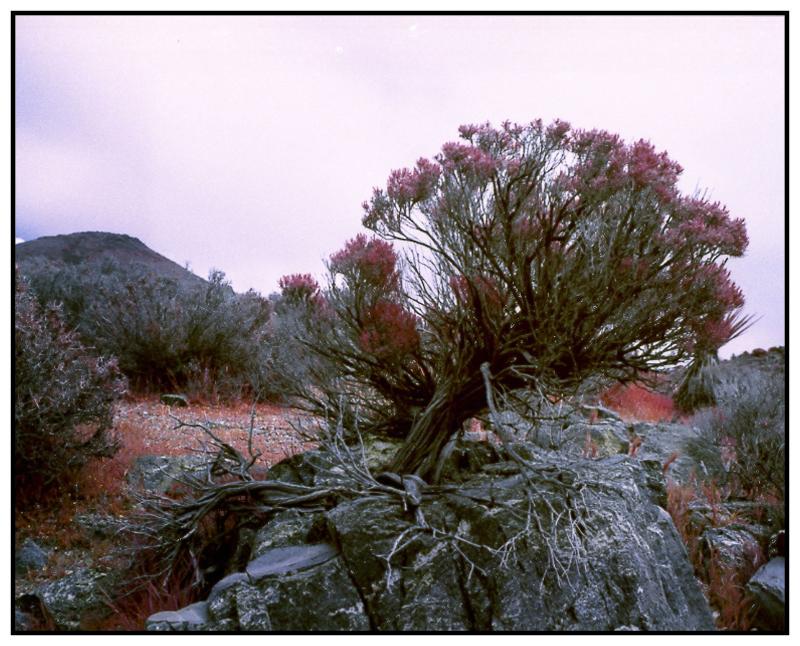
point(96, 246)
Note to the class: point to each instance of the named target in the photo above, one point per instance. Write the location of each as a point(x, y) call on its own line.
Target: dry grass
point(724, 584)
point(636, 403)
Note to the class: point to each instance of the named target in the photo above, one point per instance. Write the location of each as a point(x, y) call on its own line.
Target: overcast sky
point(248, 143)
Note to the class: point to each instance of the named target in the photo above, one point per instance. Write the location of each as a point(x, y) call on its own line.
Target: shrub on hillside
point(288, 365)
point(63, 399)
point(166, 335)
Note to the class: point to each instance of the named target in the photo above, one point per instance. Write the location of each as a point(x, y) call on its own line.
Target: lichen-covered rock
point(319, 598)
point(665, 441)
point(568, 545)
point(283, 560)
point(191, 618)
point(599, 440)
point(29, 557)
point(310, 468)
point(494, 559)
point(734, 548)
point(290, 527)
point(297, 588)
point(76, 599)
point(768, 587)
point(379, 452)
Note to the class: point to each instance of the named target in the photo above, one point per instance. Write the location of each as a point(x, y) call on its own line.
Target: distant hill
point(91, 247)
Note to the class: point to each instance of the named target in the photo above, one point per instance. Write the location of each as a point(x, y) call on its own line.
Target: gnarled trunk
point(445, 413)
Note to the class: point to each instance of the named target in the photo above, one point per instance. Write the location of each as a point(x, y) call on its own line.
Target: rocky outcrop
point(76, 599)
point(572, 544)
point(301, 588)
point(768, 587)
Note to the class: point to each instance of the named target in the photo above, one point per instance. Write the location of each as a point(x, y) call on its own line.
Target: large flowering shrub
point(553, 254)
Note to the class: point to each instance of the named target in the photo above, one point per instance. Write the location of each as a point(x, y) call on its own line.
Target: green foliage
point(63, 400)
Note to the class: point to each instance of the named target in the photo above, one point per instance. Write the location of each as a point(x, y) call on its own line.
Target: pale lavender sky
point(248, 143)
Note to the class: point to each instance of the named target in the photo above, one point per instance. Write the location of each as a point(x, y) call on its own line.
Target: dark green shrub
point(63, 400)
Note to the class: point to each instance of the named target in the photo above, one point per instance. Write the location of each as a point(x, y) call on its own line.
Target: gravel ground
point(145, 426)
point(148, 427)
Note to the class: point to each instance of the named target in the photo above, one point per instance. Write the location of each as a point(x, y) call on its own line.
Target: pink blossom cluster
point(485, 137)
point(298, 287)
point(714, 333)
point(648, 168)
point(371, 260)
point(595, 143)
point(601, 165)
point(509, 136)
point(710, 224)
point(389, 331)
point(606, 163)
point(557, 131)
point(724, 290)
point(467, 159)
point(407, 185)
point(376, 209)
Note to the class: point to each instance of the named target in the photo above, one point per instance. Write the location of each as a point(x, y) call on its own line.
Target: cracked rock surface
point(571, 545)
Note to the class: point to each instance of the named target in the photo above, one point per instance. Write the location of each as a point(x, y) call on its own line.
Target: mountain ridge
point(89, 247)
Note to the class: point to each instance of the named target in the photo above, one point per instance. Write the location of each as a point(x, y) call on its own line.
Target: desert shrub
point(288, 365)
point(543, 256)
point(63, 400)
point(166, 335)
point(638, 402)
point(742, 441)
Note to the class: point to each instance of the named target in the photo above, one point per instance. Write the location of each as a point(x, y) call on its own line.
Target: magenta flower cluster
point(718, 281)
point(298, 287)
point(470, 160)
point(406, 185)
point(389, 331)
point(705, 223)
point(370, 260)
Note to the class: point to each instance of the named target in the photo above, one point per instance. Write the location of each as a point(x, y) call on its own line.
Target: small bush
point(724, 583)
point(742, 442)
point(167, 336)
point(63, 400)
